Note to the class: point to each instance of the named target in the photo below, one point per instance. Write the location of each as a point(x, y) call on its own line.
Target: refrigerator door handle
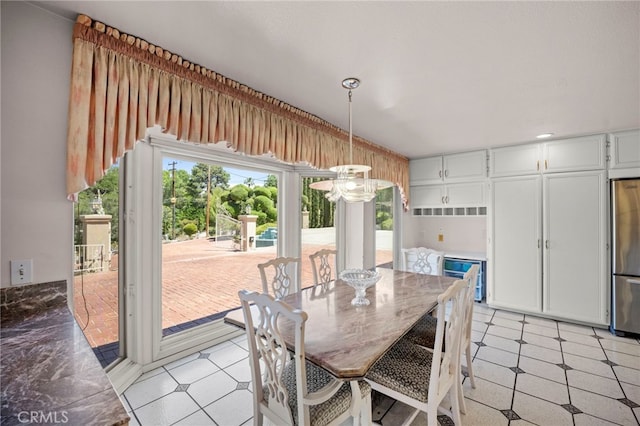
point(630, 281)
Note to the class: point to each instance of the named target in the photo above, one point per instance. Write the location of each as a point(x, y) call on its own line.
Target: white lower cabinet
point(548, 245)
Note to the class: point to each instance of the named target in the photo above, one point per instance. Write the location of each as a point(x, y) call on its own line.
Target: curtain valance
point(121, 85)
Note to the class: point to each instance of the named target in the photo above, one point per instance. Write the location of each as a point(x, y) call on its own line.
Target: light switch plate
point(21, 271)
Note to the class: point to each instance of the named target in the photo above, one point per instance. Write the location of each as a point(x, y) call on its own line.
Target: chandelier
point(352, 182)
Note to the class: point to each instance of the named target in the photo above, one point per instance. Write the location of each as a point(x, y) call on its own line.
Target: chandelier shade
point(352, 182)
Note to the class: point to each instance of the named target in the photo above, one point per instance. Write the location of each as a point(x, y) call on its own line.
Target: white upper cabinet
point(427, 195)
point(575, 154)
point(425, 171)
point(516, 160)
point(463, 167)
point(624, 149)
point(571, 155)
point(465, 194)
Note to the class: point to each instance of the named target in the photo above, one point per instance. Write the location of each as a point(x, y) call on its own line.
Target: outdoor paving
point(199, 278)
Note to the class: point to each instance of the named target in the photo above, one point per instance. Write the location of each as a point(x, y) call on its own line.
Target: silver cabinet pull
point(545, 164)
point(440, 173)
point(446, 173)
point(546, 244)
point(443, 199)
point(538, 165)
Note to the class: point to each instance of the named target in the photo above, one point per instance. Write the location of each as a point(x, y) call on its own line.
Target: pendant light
point(352, 182)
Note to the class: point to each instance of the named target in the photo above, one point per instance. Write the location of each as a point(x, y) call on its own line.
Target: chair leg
point(432, 415)
point(365, 413)
point(455, 403)
point(458, 390)
point(470, 366)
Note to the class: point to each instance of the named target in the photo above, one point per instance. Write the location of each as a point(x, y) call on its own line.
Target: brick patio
point(199, 278)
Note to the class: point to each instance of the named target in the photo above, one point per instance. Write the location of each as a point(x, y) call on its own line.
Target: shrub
point(262, 203)
point(261, 228)
point(239, 193)
point(190, 229)
point(261, 190)
point(387, 225)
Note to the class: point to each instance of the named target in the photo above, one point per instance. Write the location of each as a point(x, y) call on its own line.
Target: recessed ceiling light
point(544, 135)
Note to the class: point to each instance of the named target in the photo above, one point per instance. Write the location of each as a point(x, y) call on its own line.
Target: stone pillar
point(96, 238)
point(248, 232)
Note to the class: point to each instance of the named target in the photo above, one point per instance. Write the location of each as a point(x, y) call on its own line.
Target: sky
point(236, 175)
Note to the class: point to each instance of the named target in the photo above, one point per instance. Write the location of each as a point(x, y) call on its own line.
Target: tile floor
point(528, 370)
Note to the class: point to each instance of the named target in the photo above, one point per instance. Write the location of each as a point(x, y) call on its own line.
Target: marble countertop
point(49, 372)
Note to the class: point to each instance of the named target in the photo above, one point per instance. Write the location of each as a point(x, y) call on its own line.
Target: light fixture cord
point(350, 132)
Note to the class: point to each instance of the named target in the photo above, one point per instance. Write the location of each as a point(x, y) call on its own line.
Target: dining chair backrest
point(323, 263)
point(471, 276)
point(423, 260)
point(286, 388)
point(449, 332)
point(421, 377)
point(279, 276)
point(266, 342)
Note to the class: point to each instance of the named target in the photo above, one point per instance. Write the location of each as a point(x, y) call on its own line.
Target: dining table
point(347, 340)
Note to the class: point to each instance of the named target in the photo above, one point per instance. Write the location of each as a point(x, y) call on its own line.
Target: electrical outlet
point(21, 271)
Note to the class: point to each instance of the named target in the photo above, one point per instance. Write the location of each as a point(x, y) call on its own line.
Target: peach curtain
point(121, 85)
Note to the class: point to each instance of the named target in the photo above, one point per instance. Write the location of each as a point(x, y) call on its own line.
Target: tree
point(271, 181)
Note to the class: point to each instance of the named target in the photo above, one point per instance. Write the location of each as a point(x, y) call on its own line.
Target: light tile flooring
point(528, 370)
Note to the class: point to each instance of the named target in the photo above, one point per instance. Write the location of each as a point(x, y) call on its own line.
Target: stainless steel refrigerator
point(625, 234)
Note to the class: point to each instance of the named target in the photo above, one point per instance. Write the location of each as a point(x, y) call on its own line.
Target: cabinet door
point(575, 281)
point(516, 281)
point(427, 195)
point(465, 194)
point(585, 153)
point(625, 149)
point(465, 166)
point(425, 171)
point(515, 160)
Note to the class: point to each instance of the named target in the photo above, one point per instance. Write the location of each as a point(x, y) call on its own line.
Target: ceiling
point(437, 77)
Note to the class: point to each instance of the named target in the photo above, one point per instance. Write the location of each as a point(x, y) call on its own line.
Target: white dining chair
point(323, 263)
point(279, 276)
point(294, 391)
point(422, 260)
point(419, 377)
point(424, 332)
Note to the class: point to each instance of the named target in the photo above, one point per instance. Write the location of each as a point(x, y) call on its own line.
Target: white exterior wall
point(36, 220)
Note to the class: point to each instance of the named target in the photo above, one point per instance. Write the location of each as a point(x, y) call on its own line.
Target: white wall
point(460, 233)
point(36, 219)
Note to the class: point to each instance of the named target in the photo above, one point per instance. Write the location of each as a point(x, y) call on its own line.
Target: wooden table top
point(347, 340)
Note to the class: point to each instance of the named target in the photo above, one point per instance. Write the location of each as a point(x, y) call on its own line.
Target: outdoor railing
point(90, 258)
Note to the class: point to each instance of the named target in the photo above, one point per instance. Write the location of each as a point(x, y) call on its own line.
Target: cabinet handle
point(446, 173)
point(440, 173)
point(545, 164)
point(442, 199)
point(546, 244)
point(538, 165)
